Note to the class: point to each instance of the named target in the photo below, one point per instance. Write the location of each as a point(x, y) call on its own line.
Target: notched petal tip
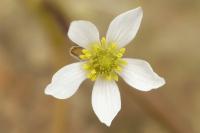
point(106, 101)
point(50, 91)
point(108, 123)
point(159, 83)
point(46, 90)
point(139, 9)
point(66, 81)
point(140, 75)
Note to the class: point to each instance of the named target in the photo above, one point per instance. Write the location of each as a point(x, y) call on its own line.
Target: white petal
point(124, 27)
point(139, 74)
point(83, 33)
point(66, 81)
point(106, 101)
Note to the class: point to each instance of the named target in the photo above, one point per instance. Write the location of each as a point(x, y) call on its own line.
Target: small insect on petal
point(76, 51)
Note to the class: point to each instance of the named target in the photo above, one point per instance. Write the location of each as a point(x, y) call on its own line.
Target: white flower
point(102, 62)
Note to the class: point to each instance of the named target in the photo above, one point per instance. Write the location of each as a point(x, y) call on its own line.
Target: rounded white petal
point(124, 27)
point(106, 101)
point(139, 74)
point(83, 33)
point(66, 81)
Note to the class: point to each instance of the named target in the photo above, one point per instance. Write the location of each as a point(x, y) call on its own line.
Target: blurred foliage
point(34, 45)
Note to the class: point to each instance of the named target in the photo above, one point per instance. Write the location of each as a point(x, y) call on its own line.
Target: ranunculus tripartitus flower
point(102, 61)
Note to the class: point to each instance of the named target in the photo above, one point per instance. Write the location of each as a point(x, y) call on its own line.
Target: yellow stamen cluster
point(103, 59)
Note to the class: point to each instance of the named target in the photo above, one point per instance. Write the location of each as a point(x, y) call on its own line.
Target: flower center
point(103, 59)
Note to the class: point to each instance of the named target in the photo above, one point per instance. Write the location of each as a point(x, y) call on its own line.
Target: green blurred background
point(34, 45)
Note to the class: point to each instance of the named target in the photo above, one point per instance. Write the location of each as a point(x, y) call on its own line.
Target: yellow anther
point(93, 78)
point(93, 71)
point(123, 62)
point(118, 69)
point(115, 77)
point(89, 75)
point(95, 47)
point(86, 66)
point(82, 57)
point(84, 51)
point(108, 77)
point(119, 55)
point(88, 55)
point(103, 41)
point(122, 50)
point(113, 46)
